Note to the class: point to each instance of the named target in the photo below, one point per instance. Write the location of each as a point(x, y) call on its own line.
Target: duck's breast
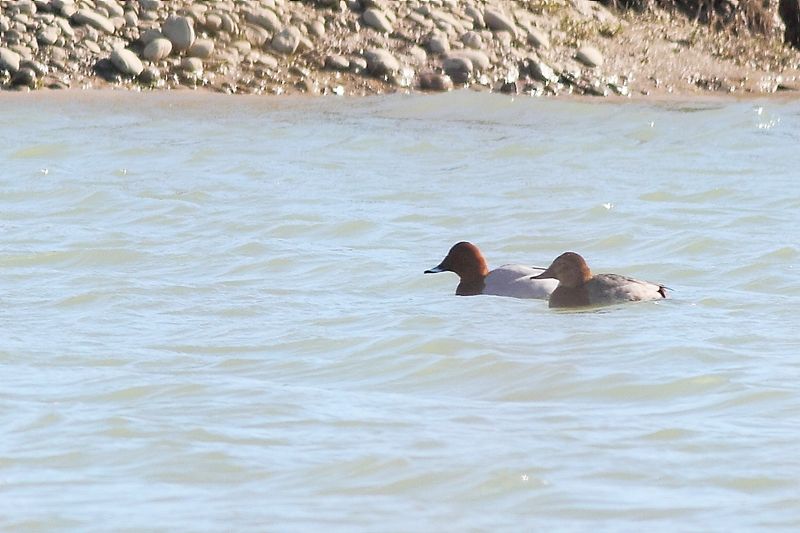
point(514, 281)
point(612, 288)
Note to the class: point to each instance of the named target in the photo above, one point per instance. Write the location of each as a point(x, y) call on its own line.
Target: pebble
point(358, 64)
point(589, 56)
point(458, 68)
point(126, 62)
point(265, 18)
point(374, 18)
point(433, 81)
point(9, 60)
point(256, 35)
point(286, 41)
point(192, 64)
point(48, 35)
point(157, 49)
point(538, 38)
point(180, 31)
point(24, 77)
point(336, 62)
point(438, 44)
point(202, 48)
point(479, 60)
point(93, 19)
point(111, 6)
point(496, 20)
point(472, 40)
point(542, 72)
point(381, 62)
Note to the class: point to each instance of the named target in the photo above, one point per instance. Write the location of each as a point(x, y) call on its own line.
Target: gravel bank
point(536, 47)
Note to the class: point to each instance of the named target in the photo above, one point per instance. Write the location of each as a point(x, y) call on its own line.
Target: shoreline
point(562, 48)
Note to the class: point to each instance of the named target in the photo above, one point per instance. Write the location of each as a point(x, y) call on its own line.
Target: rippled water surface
point(213, 315)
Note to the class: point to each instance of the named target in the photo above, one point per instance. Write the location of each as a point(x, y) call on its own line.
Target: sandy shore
point(533, 47)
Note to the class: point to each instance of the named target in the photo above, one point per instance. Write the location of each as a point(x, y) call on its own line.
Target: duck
point(516, 281)
point(577, 287)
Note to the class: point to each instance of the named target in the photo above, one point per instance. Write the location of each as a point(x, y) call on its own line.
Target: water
point(214, 315)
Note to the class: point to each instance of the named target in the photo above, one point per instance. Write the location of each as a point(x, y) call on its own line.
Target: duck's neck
point(569, 297)
point(471, 287)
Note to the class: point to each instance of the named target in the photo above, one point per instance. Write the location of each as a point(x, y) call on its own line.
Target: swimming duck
point(577, 287)
point(466, 260)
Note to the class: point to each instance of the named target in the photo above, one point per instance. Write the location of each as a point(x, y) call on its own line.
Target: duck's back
point(605, 289)
point(514, 281)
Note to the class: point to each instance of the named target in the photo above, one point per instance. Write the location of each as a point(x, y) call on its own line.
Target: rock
point(336, 62)
point(66, 30)
point(589, 56)
point(458, 68)
point(381, 62)
point(111, 6)
point(265, 18)
point(438, 44)
point(150, 76)
point(131, 19)
point(433, 81)
point(126, 62)
point(202, 48)
point(358, 64)
point(473, 40)
point(286, 41)
point(538, 38)
point(496, 20)
point(374, 18)
point(542, 72)
point(213, 23)
point(157, 49)
point(476, 16)
point(317, 29)
point(256, 35)
point(95, 20)
point(150, 5)
point(9, 60)
point(192, 64)
point(150, 35)
point(24, 77)
point(479, 60)
point(180, 32)
point(48, 35)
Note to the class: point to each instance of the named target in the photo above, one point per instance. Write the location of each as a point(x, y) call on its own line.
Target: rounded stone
point(433, 81)
point(202, 48)
point(48, 35)
point(265, 18)
point(336, 62)
point(180, 31)
point(286, 41)
point(480, 61)
point(538, 38)
point(126, 62)
point(9, 60)
point(542, 71)
point(458, 68)
point(438, 44)
point(472, 39)
point(381, 62)
point(149, 35)
point(589, 56)
point(94, 20)
point(374, 18)
point(192, 64)
point(24, 77)
point(496, 20)
point(157, 49)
